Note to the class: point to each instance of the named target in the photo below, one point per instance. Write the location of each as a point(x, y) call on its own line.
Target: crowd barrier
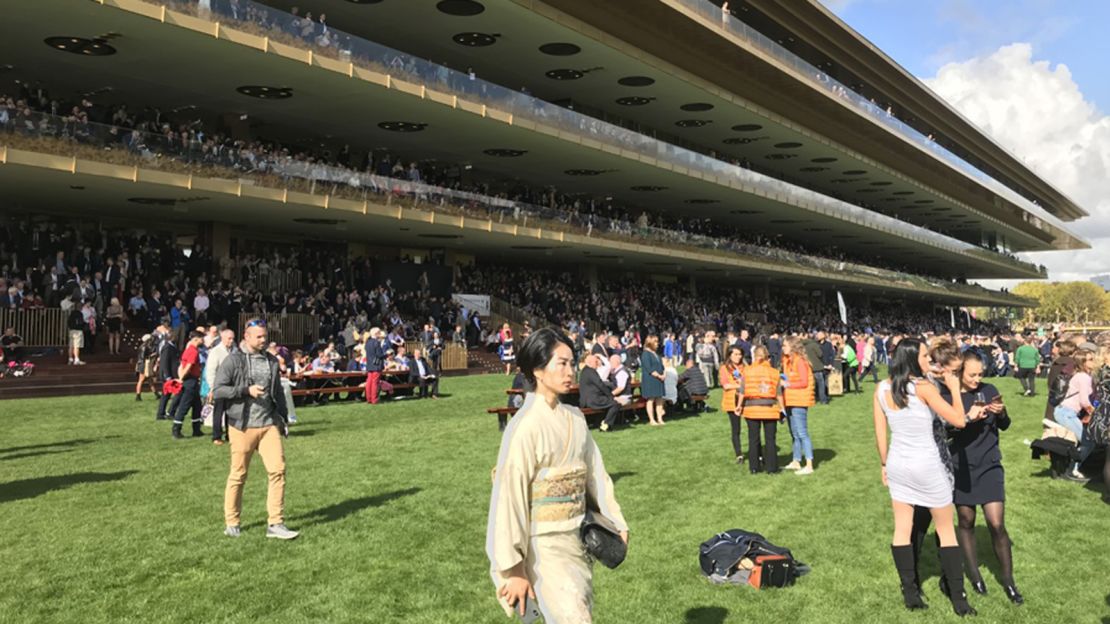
point(38, 328)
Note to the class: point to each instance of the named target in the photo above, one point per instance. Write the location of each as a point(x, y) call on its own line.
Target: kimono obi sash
point(558, 498)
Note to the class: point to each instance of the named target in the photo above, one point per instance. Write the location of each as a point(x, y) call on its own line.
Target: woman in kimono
point(549, 471)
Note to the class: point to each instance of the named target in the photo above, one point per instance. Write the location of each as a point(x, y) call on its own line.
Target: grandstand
point(764, 147)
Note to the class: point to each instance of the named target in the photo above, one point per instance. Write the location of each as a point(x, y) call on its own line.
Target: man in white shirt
point(200, 304)
point(621, 380)
point(216, 355)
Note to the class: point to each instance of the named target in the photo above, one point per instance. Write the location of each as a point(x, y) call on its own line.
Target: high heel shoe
point(1014, 595)
point(979, 587)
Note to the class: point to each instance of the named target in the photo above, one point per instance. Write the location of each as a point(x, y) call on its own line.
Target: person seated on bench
point(321, 365)
point(691, 383)
point(398, 365)
point(515, 400)
point(423, 376)
point(620, 380)
point(596, 393)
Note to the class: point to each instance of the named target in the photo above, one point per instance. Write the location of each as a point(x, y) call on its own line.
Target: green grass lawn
point(105, 518)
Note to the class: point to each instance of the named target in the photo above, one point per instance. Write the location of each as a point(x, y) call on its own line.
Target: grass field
point(106, 519)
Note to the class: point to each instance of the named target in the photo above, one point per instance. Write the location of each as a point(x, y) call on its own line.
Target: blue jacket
point(375, 355)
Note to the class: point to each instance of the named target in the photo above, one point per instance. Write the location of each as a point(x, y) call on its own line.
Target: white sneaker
point(808, 470)
point(792, 466)
point(78, 363)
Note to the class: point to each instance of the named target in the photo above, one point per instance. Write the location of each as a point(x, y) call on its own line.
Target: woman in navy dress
point(651, 381)
point(980, 479)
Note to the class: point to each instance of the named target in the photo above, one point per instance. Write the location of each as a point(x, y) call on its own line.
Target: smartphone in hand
point(531, 611)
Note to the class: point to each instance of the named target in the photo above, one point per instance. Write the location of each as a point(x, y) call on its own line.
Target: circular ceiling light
point(703, 201)
point(824, 159)
point(647, 188)
point(693, 123)
point(903, 192)
point(266, 93)
point(560, 49)
point(854, 172)
point(881, 183)
point(80, 45)
point(697, 107)
point(634, 100)
point(501, 152)
point(923, 201)
point(564, 74)
point(747, 127)
point(474, 39)
point(788, 145)
point(460, 8)
point(402, 126)
point(636, 81)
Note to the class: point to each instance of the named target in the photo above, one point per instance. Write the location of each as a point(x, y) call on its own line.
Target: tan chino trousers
point(267, 442)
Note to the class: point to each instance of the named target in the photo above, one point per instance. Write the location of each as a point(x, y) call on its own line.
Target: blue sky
point(922, 35)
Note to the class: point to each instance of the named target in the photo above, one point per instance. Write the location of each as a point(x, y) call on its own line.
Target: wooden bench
point(340, 389)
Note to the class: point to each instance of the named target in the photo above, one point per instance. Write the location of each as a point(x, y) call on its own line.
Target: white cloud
point(1038, 112)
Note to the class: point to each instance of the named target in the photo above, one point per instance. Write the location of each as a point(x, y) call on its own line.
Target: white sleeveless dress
point(914, 469)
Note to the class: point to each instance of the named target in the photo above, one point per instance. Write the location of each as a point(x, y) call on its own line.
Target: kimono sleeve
point(599, 486)
point(509, 527)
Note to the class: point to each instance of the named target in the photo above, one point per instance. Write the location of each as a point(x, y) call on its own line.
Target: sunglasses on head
point(256, 323)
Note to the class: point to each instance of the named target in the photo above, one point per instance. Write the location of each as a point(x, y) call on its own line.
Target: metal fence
point(38, 328)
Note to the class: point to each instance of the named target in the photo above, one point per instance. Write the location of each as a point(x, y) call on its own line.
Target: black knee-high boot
point(906, 564)
point(952, 580)
point(922, 518)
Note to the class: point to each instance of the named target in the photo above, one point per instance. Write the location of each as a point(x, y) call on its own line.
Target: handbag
point(603, 540)
point(208, 411)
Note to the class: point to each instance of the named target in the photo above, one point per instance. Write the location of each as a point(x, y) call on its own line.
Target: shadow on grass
point(339, 511)
point(294, 432)
point(30, 488)
point(34, 454)
point(617, 476)
point(34, 447)
point(706, 615)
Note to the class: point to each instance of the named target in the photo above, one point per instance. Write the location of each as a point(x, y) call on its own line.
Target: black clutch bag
point(603, 540)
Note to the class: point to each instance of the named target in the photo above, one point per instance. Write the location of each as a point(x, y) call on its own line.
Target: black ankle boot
point(952, 580)
point(904, 562)
point(1013, 594)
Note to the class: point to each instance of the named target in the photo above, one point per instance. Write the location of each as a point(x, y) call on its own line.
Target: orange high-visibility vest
point(761, 391)
point(799, 386)
point(725, 375)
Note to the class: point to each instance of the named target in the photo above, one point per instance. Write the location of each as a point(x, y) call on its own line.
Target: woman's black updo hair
point(537, 351)
point(904, 369)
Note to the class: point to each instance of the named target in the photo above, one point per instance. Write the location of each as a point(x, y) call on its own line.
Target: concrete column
point(588, 272)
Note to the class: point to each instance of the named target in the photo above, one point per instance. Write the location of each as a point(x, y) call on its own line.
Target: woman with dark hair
point(549, 473)
point(912, 467)
point(980, 479)
point(730, 377)
point(651, 381)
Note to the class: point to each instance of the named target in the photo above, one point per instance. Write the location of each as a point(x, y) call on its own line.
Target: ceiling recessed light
point(693, 123)
point(903, 192)
point(76, 188)
point(788, 145)
point(823, 159)
point(636, 81)
point(266, 93)
point(647, 188)
point(502, 152)
point(923, 201)
point(634, 100)
point(402, 126)
point(697, 107)
point(747, 127)
point(80, 45)
point(703, 201)
point(881, 183)
point(564, 74)
point(460, 8)
point(854, 172)
point(474, 39)
point(560, 49)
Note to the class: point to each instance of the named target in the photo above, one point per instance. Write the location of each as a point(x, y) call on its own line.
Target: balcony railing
point(196, 155)
point(1034, 214)
point(282, 27)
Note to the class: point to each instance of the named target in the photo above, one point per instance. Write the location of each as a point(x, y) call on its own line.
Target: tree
point(1065, 302)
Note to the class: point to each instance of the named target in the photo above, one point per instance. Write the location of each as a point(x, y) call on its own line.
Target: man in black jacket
point(595, 393)
point(168, 357)
point(423, 375)
point(691, 383)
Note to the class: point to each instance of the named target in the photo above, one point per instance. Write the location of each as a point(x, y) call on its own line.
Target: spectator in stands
point(75, 322)
point(691, 384)
point(596, 393)
point(761, 405)
point(375, 360)
point(423, 376)
point(797, 399)
point(188, 372)
point(731, 377)
point(114, 320)
point(652, 381)
point(201, 304)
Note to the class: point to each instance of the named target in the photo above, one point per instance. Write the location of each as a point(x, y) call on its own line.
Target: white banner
point(475, 303)
point(952, 313)
point(843, 308)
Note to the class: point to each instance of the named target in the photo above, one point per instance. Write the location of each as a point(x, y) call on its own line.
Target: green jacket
point(848, 354)
point(1027, 356)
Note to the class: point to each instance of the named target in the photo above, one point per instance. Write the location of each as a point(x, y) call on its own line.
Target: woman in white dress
point(913, 469)
point(549, 472)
